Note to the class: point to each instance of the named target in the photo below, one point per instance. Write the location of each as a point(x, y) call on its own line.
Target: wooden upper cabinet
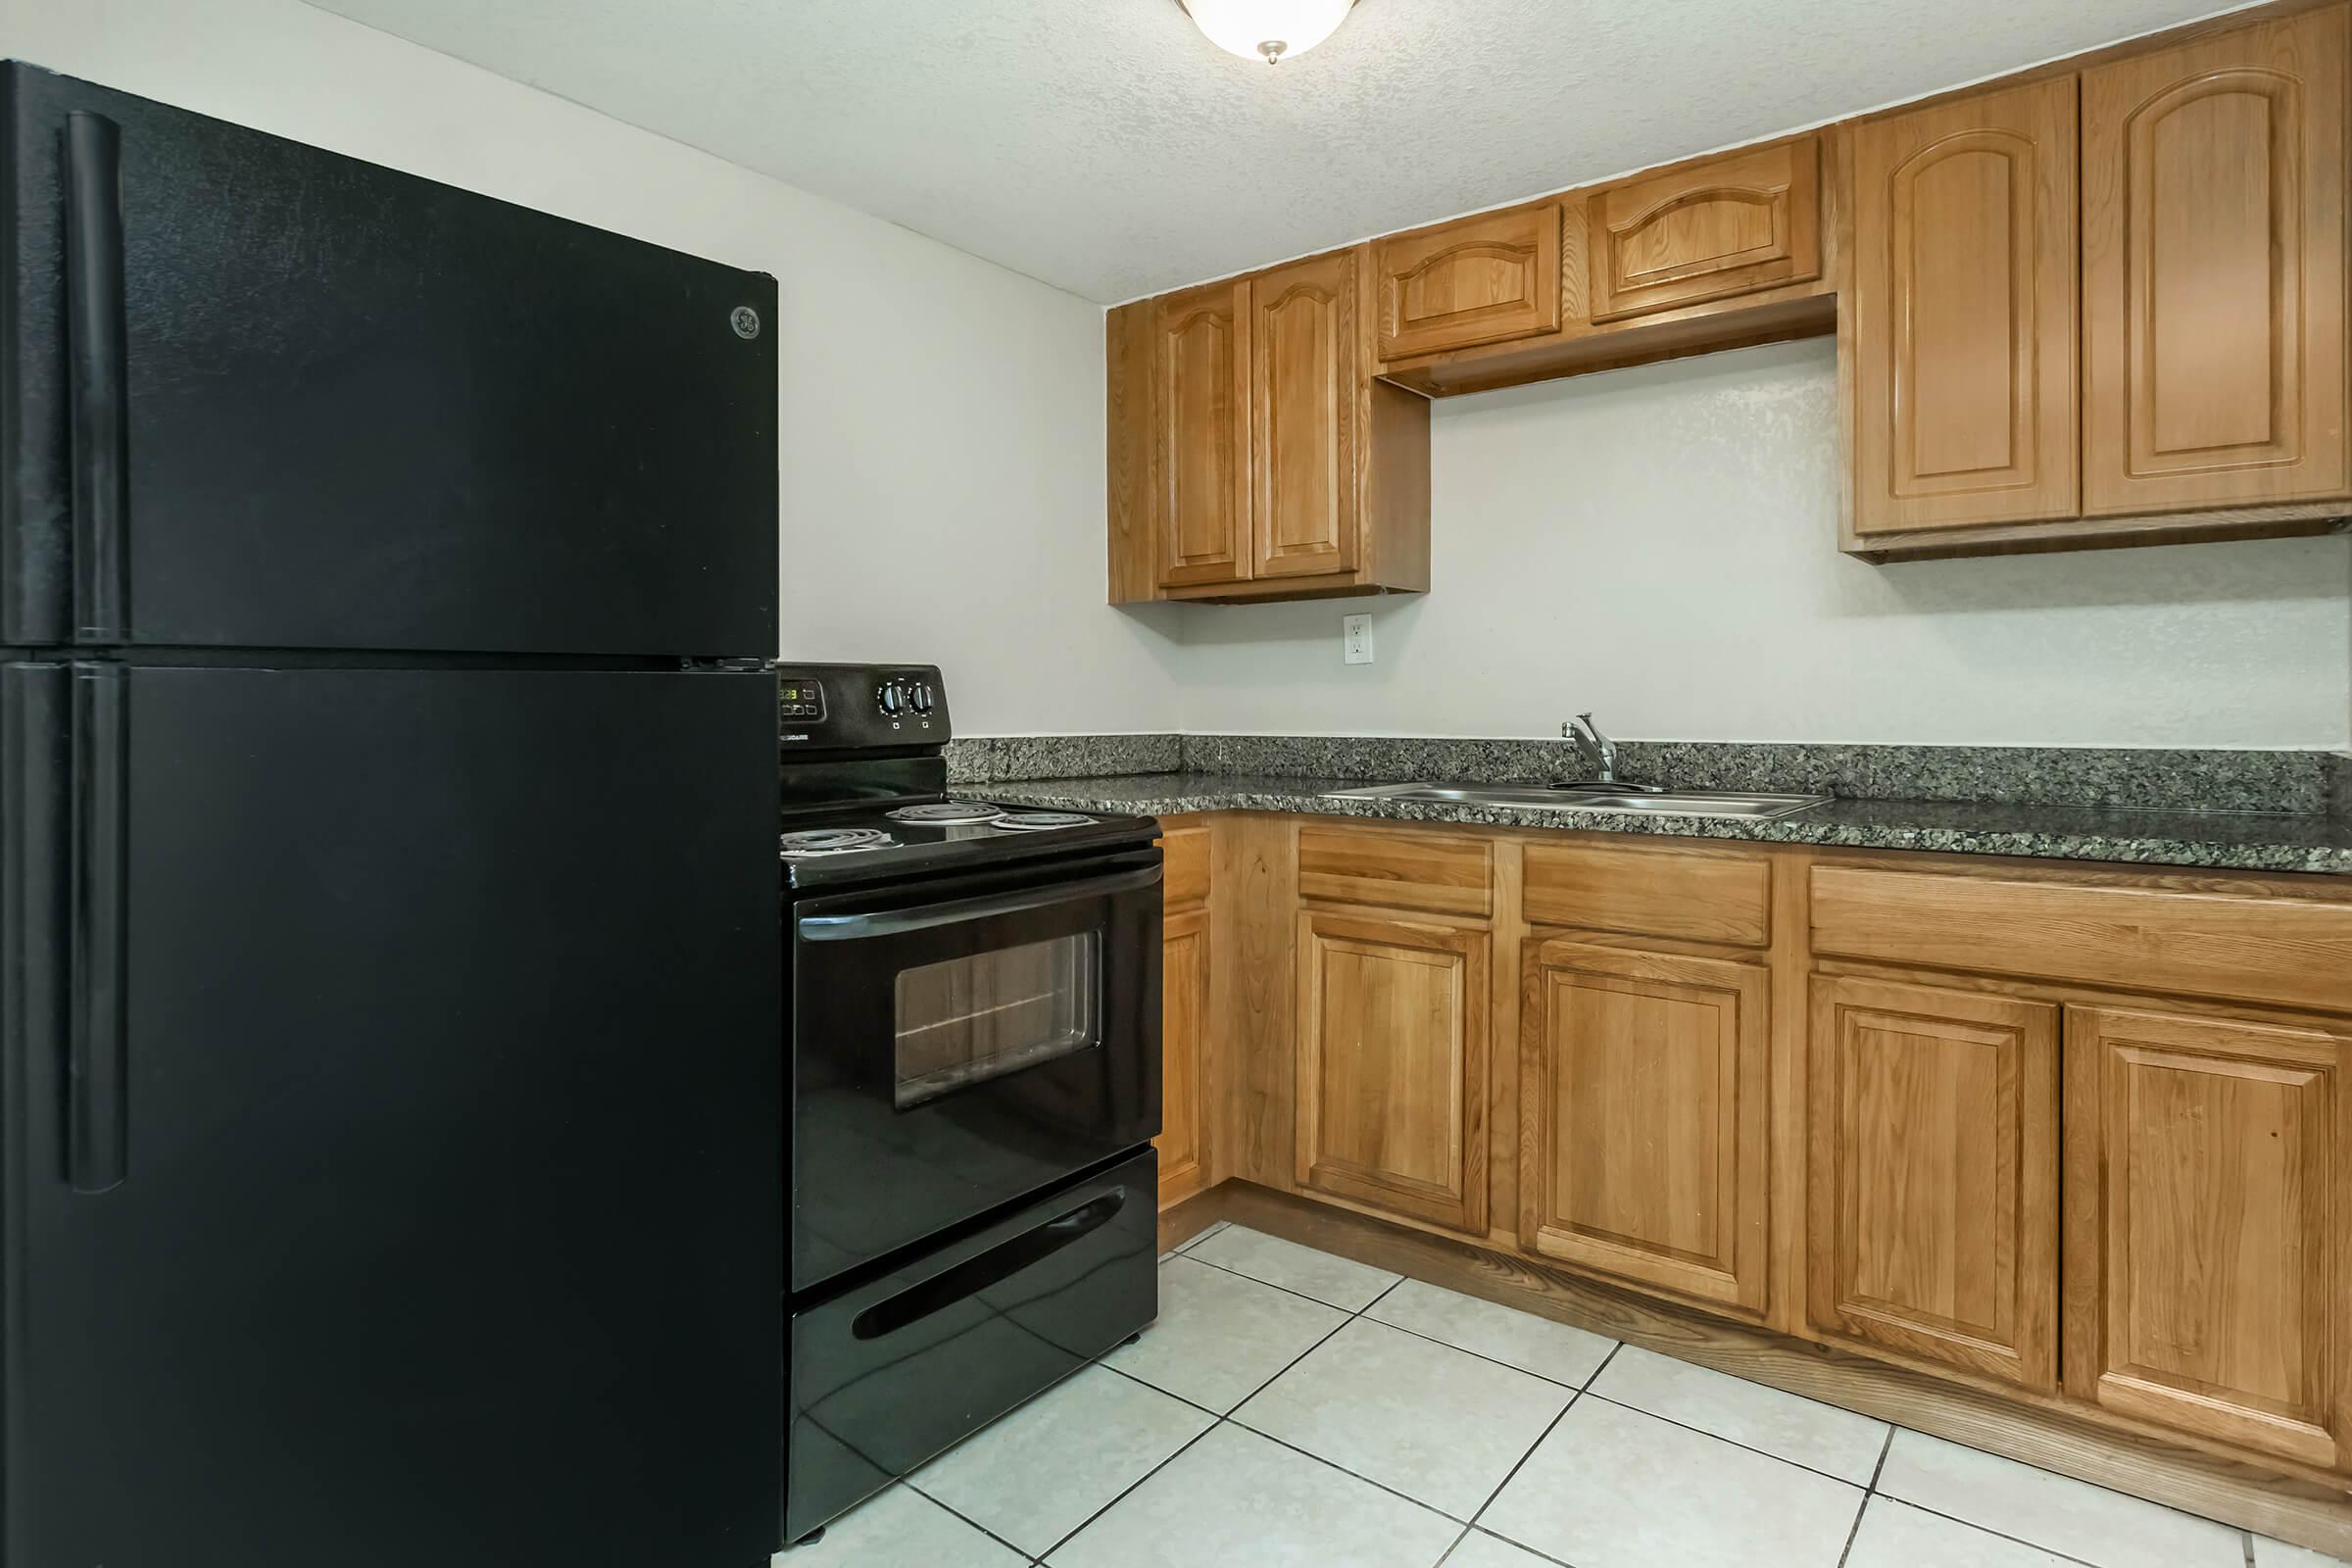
point(1963, 309)
point(1200, 448)
point(1643, 1087)
point(2209, 1177)
point(1304, 428)
point(1483, 280)
point(2213, 271)
point(1391, 1071)
point(1730, 225)
point(1933, 1175)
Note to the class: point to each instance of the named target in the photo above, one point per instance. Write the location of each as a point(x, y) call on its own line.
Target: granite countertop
point(2245, 840)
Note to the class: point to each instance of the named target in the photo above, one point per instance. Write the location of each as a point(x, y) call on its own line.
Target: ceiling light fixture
point(1273, 30)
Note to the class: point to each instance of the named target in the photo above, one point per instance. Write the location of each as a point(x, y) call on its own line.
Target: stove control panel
point(853, 707)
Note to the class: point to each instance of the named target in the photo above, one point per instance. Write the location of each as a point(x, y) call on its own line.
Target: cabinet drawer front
point(2209, 1179)
point(1396, 870)
point(1184, 869)
point(2240, 946)
point(1697, 894)
point(1933, 1179)
point(1483, 279)
point(1734, 226)
point(1642, 1079)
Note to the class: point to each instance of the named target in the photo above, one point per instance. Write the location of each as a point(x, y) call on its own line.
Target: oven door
point(960, 1043)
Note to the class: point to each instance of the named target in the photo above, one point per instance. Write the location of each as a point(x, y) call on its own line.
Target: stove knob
point(889, 699)
point(921, 698)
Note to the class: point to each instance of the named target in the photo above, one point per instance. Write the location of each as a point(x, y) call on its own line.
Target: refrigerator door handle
point(97, 1109)
point(98, 377)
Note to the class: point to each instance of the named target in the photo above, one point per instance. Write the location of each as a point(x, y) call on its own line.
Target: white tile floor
point(1291, 1409)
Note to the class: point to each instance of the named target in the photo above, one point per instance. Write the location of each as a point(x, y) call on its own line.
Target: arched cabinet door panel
point(1303, 424)
point(1201, 441)
point(1963, 310)
point(2213, 271)
point(1483, 280)
point(1731, 225)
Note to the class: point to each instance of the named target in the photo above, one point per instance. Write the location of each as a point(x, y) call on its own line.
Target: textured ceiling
point(1107, 147)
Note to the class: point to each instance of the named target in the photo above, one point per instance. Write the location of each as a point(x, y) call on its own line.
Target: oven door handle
point(955, 912)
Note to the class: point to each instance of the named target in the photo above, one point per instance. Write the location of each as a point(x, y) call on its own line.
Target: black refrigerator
point(389, 998)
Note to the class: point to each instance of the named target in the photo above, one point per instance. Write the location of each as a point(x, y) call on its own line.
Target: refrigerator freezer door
point(258, 395)
point(442, 1220)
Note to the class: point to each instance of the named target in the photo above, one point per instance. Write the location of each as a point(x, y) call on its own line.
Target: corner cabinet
point(1252, 455)
point(2209, 1167)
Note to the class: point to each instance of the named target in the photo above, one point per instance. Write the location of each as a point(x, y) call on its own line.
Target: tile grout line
point(1221, 1420)
point(1407, 1279)
point(1287, 1291)
point(1765, 1453)
point(908, 1482)
point(1885, 1448)
point(1869, 1491)
point(1985, 1529)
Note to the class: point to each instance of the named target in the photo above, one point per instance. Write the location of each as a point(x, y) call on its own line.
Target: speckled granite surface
point(988, 758)
point(2034, 775)
point(2234, 841)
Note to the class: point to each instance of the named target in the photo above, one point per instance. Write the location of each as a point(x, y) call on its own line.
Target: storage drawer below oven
point(888, 1374)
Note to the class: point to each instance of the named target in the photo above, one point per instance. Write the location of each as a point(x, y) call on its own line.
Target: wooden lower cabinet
point(1643, 1135)
point(2209, 1192)
point(1182, 1031)
point(1186, 1105)
point(1933, 1175)
point(1392, 1064)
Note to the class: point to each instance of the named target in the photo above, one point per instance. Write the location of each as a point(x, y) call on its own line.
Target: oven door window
point(968, 1019)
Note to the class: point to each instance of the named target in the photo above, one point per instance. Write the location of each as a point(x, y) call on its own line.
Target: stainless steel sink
point(1543, 798)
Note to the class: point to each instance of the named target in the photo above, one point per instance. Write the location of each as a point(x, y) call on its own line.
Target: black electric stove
point(972, 997)
point(865, 786)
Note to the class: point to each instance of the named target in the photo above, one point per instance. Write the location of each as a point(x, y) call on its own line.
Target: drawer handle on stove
point(999, 1263)
point(956, 911)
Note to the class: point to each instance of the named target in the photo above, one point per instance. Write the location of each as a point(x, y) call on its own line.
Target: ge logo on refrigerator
point(745, 321)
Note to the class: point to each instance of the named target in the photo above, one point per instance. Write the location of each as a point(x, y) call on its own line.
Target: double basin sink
point(1572, 798)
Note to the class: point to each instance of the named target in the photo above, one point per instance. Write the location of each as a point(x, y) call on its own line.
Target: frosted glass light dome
point(1272, 31)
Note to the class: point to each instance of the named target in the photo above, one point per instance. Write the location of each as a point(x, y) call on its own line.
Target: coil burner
point(947, 813)
point(831, 840)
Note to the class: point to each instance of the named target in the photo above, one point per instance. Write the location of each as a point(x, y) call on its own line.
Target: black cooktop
point(917, 849)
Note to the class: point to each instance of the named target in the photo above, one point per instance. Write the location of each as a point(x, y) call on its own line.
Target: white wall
point(942, 456)
point(1655, 544)
point(1660, 545)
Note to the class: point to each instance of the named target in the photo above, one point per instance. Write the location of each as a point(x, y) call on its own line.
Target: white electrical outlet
point(1355, 639)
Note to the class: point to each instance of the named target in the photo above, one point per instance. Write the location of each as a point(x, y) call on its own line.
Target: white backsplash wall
point(941, 417)
point(1660, 545)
